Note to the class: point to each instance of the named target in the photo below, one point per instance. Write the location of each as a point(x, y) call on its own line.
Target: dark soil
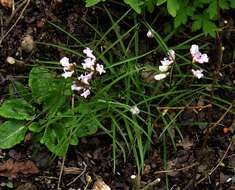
point(188, 166)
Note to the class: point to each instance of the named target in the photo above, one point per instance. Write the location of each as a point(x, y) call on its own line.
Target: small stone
point(27, 44)
point(11, 60)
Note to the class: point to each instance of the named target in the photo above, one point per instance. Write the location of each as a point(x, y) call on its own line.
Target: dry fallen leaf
point(100, 185)
point(11, 168)
point(6, 3)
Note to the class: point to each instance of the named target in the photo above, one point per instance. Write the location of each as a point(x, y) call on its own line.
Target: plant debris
point(11, 168)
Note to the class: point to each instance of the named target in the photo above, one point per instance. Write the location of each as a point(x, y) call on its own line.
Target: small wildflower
point(164, 68)
point(85, 78)
point(100, 69)
point(165, 65)
point(64, 61)
point(86, 92)
point(166, 61)
point(134, 110)
point(197, 55)
point(68, 67)
point(198, 73)
point(75, 87)
point(171, 54)
point(133, 176)
point(150, 34)
point(160, 76)
point(89, 53)
point(67, 74)
point(88, 63)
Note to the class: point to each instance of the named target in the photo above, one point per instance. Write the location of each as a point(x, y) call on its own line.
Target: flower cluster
point(166, 64)
point(199, 58)
point(89, 64)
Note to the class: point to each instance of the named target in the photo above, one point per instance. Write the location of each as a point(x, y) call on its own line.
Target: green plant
point(203, 14)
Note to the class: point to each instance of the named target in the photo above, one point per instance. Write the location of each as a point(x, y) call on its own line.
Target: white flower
point(88, 63)
point(75, 87)
point(64, 61)
point(164, 68)
point(85, 78)
point(150, 34)
point(197, 55)
point(166, 62)
point(89, 53)
point(134, 110)
point(198, 73)
point(85, 93)
point(194, 49)
point(160, 76)
point(67, 74)
point(171, 54)
point(100, 69)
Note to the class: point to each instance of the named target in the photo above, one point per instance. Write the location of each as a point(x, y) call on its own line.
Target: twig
point(17, 20)
point(185, 107)
point(61, 173)
point(175, 170)
point(221, 118)
point(218, 164)
point(76, 178)
point(62, 165)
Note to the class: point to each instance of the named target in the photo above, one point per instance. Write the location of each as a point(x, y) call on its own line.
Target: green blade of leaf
point(17, 109)
point(172, 7)
point(11, 133)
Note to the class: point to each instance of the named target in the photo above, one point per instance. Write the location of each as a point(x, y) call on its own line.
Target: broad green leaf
point(134, 4)
point(160, 2)
point(41, 83)
point(180, 18)
point(150, 5)
point(197, 24)
point(172, 7)
point(90, 3)
point(232, 4)
point(212, 9)
point(56, 139)
point(17, 109)
point(209, 28)
point(11, 133)
point(87, 127)
point(224, 4)
point(47, 90)
point(35, 127)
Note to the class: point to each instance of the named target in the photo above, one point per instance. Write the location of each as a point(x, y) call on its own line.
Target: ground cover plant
point(161, 104)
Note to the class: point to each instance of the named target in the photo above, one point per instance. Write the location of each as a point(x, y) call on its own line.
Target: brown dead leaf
point(100, 185)
point(7, 3)
point(11, 168)
point(27, 186)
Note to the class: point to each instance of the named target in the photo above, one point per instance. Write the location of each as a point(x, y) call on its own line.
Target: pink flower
point(86, 92)
point(85, 78)
point(198, 73)
point(166, 61)
point(100, 69)
point(75, 87)
point(89, 53)
point(197, 55)
point(67, 67)
point(67, 74)
point(88, 63)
